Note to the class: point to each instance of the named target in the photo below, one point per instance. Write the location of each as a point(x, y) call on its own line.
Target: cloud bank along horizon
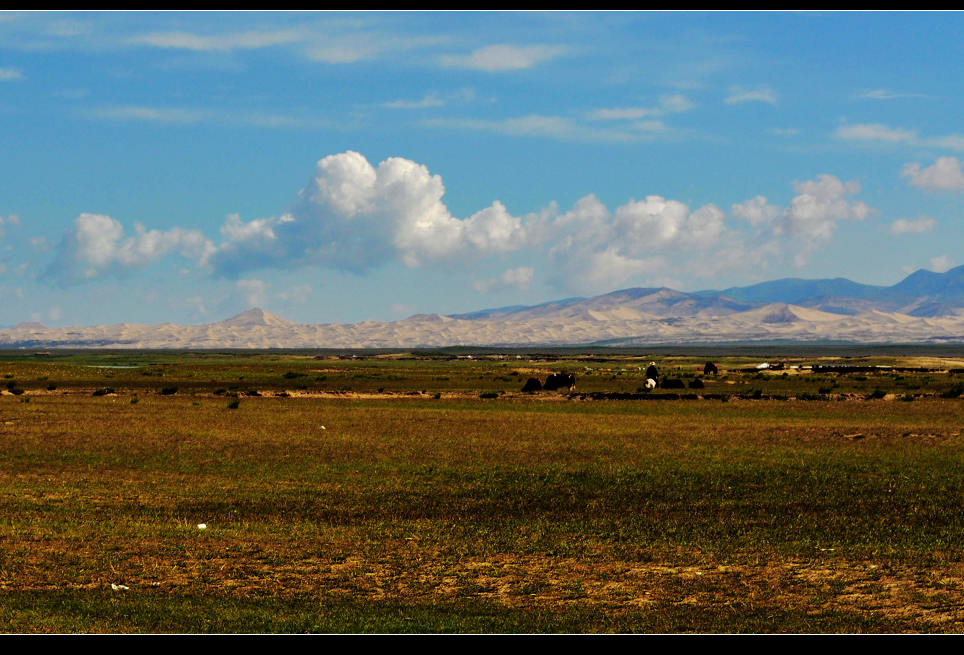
point(355, 217)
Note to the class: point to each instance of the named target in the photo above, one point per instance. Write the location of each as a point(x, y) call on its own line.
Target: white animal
point(650, 383)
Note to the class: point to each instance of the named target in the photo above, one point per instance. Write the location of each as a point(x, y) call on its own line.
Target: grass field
point(428, 494)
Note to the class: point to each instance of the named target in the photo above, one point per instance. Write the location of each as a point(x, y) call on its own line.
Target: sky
point(342, 167)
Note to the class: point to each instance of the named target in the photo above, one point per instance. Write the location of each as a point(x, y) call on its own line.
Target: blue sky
point(336, 167)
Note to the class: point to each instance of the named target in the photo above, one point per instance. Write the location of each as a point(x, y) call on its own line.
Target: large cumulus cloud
point(355, 216)
point(97, 244)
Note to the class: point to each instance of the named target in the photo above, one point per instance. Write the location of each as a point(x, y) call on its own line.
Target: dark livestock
point(652, 372)
point(532, 384)
point(560, 381)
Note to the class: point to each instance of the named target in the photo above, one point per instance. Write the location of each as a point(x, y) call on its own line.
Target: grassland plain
point(426, 493)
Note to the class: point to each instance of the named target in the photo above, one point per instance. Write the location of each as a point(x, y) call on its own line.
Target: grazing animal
point(652, 372)
point(710, 369)
point(532, 384)
point(560, 381)
point(650, 383)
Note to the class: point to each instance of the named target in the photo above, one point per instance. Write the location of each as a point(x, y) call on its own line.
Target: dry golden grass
point(395, 512)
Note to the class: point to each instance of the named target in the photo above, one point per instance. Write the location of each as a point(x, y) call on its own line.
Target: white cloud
point(887, 94)
point(435, 99)
point(820, 204)
point(299, 293)
point(943, 175)
point(10, 74)
point(740, 95)
point(593, 249)
point(669, 104)
point(560, 128)
point(812, 216)
point(96, 245)
point(355, 216)
point(189, 116)
point(918, 225)
point(429, 100)
point(942, 264)
point(250, 40)
point(357, 45)
point(757, 211)
point(948, 141)
point(519, 278)
point(875, 132)
point(151, 114)
point(503, 57)
point(254, 292)
point(878, 133)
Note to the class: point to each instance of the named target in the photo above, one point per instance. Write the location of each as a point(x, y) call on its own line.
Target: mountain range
point(925, 307)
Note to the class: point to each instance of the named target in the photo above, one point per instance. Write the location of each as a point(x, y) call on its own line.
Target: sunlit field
point(271, 492)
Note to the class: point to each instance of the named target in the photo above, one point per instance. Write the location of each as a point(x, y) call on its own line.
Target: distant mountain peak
point(253, 318)
point(30, 325)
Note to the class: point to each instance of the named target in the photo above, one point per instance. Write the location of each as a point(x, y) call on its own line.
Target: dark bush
point(954, 392)
point(169, 391)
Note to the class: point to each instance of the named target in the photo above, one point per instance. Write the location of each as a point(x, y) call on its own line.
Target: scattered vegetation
point(752, 504)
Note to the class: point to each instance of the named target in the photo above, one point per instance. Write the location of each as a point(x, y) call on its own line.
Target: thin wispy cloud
point(667, 105)
point(151, 114)
point(191, 116)
point(248, 40)
point(887, 94)
point(429, 100)
point(941, 264)
point(10, 74)
point(875, 132)
point(919, 225)
point(361, 46)
point(884, 134)
point(739, 95)
point(502, 57)
point(559, 128)
point(519, 278)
